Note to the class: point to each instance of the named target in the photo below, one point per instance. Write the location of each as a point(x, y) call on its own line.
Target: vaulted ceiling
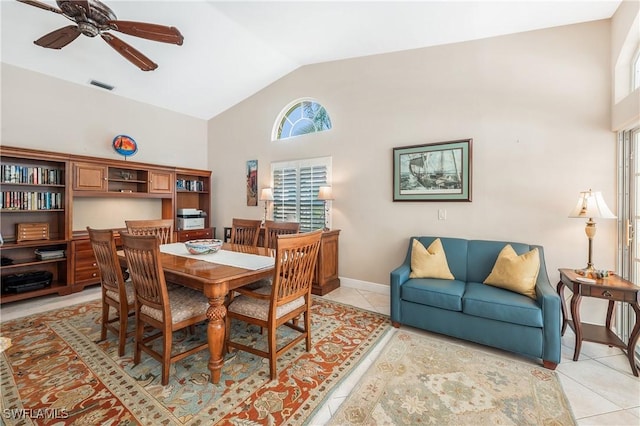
point(233, 49)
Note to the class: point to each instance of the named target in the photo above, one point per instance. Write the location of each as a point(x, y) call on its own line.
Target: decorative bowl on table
point(203, 246)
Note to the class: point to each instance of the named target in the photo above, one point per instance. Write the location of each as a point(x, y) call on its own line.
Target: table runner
point(223, 257)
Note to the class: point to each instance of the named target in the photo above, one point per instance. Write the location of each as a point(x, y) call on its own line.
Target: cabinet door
point(89, 177)
point(160, 182)
point(326, 277)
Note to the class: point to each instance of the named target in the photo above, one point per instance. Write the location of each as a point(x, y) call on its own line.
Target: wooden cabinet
point(91, 179)
point(160, 182)
point(33, 193)
point(195, 234)
point(40, 187)
point(85, 266)
point(326, 278)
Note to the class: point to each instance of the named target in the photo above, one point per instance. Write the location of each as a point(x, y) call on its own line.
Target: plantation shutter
point(295, 192)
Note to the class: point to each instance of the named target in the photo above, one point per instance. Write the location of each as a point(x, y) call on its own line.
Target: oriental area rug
point(56, 372)
point(418, 379)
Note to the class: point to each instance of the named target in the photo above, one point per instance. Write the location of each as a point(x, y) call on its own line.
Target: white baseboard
point(365, 285)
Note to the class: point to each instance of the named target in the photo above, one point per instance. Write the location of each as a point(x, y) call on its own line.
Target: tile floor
point(599, 386)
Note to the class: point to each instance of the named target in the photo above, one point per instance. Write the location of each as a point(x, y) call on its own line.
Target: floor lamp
point(591, 205)
point(325, 194)
point(266, 195)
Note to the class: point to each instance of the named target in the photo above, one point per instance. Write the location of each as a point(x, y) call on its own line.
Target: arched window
point(301, 117)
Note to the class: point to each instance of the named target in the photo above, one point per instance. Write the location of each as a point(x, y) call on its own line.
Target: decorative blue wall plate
point(125, 145)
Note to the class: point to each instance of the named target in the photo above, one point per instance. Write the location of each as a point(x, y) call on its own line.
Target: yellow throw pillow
point(429, 262)
point(516, 273)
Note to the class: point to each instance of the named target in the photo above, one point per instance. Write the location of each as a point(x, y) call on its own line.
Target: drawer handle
point(94, 264)
point(606, 293)
point(94, 275)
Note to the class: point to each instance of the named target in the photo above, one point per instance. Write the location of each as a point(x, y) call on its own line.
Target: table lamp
point(591, 205)
point(266, 195)
point(325, 194)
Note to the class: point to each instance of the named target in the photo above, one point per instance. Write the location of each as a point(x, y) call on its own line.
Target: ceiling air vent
point(101, 85)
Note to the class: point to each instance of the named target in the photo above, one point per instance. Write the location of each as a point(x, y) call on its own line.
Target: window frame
point(284, 116)
point(315, 205)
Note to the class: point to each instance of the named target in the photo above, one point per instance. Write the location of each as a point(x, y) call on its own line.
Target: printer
point(190, 219)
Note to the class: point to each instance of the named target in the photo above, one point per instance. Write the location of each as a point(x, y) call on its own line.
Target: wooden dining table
point(215, 281)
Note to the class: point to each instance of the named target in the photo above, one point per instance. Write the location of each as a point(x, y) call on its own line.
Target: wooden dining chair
point(289, 297)
point(166, 311)
point(245, 231)
point(116, 292)
point(162, 228)
point(272, 229)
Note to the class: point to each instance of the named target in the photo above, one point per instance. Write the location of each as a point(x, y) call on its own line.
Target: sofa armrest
point(397, 277)
point(549, 300)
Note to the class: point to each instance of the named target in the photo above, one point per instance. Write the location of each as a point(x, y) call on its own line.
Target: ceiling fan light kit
point(93, 18)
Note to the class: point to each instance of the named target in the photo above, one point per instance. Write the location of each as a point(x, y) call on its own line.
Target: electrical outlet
point(442, 214)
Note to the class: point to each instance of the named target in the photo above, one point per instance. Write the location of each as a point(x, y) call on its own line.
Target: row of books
point(10, 173)
point(189, 185)
point(29, 200)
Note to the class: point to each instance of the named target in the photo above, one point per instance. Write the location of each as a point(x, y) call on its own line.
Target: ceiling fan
point(93, 18)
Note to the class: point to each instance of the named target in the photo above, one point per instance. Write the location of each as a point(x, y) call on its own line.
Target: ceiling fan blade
point(153, 32)
point(131, 54)
point(59, 38)
point(41, 5)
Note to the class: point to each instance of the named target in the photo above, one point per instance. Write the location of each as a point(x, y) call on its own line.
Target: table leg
point(216, 314)
point(610, 311)
point(633, 339)
point(560, 289)
point(577, 326)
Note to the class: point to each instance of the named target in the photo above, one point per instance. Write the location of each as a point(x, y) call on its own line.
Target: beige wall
point(625, 39)
point(41, 112)
point(536, 104)
point(45, 113)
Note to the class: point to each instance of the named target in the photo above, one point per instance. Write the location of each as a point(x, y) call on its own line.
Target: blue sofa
point(468, 309)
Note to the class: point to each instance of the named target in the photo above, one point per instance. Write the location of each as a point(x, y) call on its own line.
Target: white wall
point(536, 104)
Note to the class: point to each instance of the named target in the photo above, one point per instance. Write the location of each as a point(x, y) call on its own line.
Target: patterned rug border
point(460, 345)
point(97, 360)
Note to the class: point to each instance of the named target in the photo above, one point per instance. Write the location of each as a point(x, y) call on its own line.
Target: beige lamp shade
point(591, 205)
point(266, 194)
point(325, 193)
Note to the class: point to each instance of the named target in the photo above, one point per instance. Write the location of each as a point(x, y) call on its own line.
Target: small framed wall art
point(433, 172)
point(252, 183)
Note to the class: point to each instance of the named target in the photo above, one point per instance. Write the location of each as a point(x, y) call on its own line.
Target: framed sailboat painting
point(433, 172)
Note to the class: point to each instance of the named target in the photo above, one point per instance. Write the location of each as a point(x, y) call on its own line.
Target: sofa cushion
point(445, 294)
point(482, 256)
point(516, 273)
point(429, 262)
point(503, 305)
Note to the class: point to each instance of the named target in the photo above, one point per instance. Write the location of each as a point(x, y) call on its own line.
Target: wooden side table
point(614, 289)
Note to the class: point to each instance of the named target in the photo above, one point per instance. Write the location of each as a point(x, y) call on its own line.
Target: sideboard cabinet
point(326, 278)
point(38, 189)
